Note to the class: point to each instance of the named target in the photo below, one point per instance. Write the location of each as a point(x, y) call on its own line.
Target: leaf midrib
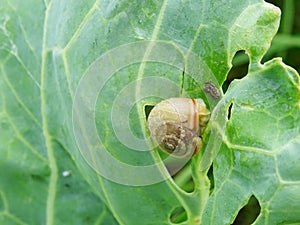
point(50, 151)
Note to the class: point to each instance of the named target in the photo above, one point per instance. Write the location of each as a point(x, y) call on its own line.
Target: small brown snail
point(176, 124)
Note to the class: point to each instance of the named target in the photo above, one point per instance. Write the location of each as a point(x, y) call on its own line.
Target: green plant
point(251, 144)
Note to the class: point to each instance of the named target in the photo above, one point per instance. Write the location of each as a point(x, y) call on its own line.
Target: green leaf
point(39, 181)
point(46, 49)
point(259, 151)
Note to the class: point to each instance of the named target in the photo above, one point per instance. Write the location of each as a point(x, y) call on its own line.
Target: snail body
point(176, 124)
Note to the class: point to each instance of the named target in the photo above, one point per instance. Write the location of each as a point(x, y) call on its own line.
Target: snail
point(176, 124)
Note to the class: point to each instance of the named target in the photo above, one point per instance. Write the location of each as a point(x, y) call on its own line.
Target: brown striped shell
point(176, 124)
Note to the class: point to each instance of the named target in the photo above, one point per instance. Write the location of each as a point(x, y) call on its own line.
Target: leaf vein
point(19, 136)
point(24, 33)
point(14, 50)
point(17, 97)
point(52, 161)
point(81, 25)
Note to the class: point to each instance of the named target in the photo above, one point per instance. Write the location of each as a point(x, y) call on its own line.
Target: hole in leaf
point(178, 215)
point(249, 213)
point(239, 69)
point(184, 179)
point(229, 111)
point(147, 110)
point(210, 175)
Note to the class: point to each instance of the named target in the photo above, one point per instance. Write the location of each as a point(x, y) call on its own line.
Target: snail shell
point(176, 124)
